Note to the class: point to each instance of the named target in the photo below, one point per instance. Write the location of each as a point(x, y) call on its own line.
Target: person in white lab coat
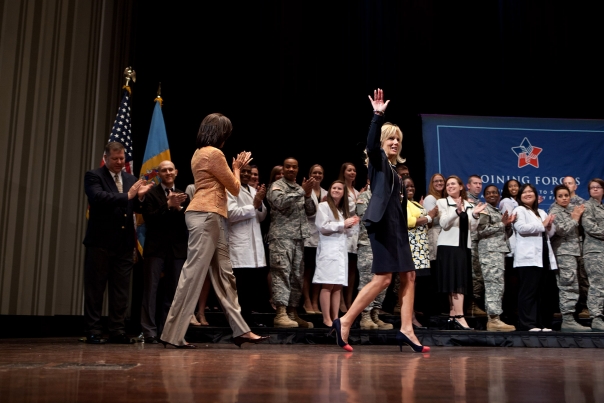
point(335, 225)
point(246, 249)
point(533, 256)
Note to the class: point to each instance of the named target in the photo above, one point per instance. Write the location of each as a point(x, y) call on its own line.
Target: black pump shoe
point(454, 324)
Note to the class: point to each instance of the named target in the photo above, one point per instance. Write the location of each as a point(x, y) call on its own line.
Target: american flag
point(121, 130)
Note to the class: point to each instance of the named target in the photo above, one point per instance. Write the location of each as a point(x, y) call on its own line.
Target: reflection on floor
point(64, 370)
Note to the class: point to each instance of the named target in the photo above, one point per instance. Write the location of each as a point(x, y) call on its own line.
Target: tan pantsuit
point(208, 249)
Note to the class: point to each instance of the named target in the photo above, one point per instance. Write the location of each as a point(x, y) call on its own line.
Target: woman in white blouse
point(533, 255)
point(335, 226)
point(311, 291)
point(457, 218)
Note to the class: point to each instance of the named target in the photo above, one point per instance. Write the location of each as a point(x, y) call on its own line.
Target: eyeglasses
point(595, 187)
point(439, 181)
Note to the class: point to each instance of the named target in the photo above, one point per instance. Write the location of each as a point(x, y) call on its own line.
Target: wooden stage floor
point(65, 370)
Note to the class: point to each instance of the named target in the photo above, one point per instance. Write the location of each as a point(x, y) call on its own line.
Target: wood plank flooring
point(64, 370)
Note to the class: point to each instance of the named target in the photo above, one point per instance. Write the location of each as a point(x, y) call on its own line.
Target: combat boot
point(494, 324)
point(367, 323)
point(569, 324)
point(475, 311)
point(292, 314)
point(282, 319)
point(380, 323)
point(597, 324)
point(397, 308)
point(584, 314)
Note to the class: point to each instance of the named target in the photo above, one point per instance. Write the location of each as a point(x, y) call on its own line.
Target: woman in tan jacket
point(208, 249)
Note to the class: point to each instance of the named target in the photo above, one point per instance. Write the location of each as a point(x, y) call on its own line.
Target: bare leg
point(343, 306)
point(456, 302)
point(407, 294)
point(335, 298)
point(306, 287)
point(326, 303)
point(363, 299)
point(314, 296)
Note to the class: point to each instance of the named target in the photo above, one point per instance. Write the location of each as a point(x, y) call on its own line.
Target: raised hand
point(577, 212)
point(351, 222)
point(260, 194)
point(434, 212)
point(307, 185)
point(133, 191)
point(479, 208)
point(547, 223)
point(507, 219)
point(460, 206)
point(144, 188)
point(421, 201)
point(378, 101)
point(243, 158)
point(176, 199)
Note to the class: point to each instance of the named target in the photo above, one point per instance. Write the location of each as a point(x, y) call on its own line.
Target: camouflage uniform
point(565, 244)
point(493, 245)
point(289, 227)
point(593, 255)
point(477, 275)
point(364, 254)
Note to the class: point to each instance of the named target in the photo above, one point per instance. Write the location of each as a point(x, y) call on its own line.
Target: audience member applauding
point(533, 256)
point(493, 232)
point(457, 218)
point(165, 249)
point(246, 211)
point(310, 290)
point(255, 177)
point(335, 225)
point(565, 243)
point(593, 252)
point(291, 204)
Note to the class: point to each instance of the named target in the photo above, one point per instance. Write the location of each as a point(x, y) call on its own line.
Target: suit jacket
point(167, 233)
point(110, 217)
point(449, 221)
point(380, 174)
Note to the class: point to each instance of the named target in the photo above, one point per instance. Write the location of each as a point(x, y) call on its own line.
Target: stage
point(65, 370)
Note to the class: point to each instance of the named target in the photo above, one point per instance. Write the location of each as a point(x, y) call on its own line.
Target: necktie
point(118, 183)
point(168, 192)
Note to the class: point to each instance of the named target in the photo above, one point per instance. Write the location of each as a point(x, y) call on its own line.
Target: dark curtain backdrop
point(294, 76)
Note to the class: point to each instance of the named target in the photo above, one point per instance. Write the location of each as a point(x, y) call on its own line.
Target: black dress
point(388, 237)
point(454, 269)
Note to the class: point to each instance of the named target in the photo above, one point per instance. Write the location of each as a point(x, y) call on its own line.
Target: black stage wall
point(294, 76)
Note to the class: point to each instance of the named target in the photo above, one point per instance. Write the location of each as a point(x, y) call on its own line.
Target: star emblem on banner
point(527, 154)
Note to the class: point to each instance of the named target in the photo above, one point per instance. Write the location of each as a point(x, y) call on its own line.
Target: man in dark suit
point(109, 243)
point(165, 249)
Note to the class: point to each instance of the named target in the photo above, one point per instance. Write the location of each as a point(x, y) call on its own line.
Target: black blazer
point(110, 217)
point(380, 174)
point(167, 233)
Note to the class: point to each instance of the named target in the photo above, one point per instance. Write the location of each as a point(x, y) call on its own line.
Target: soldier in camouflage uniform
point(565, 244)
point(474, 187)
point(290, 205)
point(593, 252)
point(576, 200)
point(369, 316)
point(493, 231)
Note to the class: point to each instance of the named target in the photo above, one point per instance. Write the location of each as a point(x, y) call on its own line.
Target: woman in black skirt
point(456, 216)
point(386, 223)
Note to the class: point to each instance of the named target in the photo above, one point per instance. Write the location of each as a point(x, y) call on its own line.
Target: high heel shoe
point(418, 348)
point(239, 340)
point(337, 327)
point(165, 343)
point(456, 324)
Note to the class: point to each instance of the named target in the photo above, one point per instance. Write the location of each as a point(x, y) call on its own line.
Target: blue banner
point(530, 150)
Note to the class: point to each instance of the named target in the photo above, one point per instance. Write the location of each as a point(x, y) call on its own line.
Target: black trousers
point(252, 290)
point(531, 306)
point(104, 268)
point(158, 292)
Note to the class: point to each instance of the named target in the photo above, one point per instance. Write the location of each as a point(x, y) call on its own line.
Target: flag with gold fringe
point(157, 150)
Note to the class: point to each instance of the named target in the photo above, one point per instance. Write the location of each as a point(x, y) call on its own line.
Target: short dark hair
point(462, 192)
point(535, 206)
point(561, 187)
point(597, 180)
point(484, 192)
point(113, 146)
point(214, 130)
point(505, 193)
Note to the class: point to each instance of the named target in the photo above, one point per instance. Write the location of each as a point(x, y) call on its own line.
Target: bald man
point(165, 249)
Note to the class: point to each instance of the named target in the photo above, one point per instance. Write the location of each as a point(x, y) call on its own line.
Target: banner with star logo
point(530, 150)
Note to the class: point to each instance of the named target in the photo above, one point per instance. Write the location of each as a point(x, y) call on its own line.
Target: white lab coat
point(246, 248)
point(313, 240)
point(529, 243)
point(508, 204)
point(332, 252)
point(353, 240)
